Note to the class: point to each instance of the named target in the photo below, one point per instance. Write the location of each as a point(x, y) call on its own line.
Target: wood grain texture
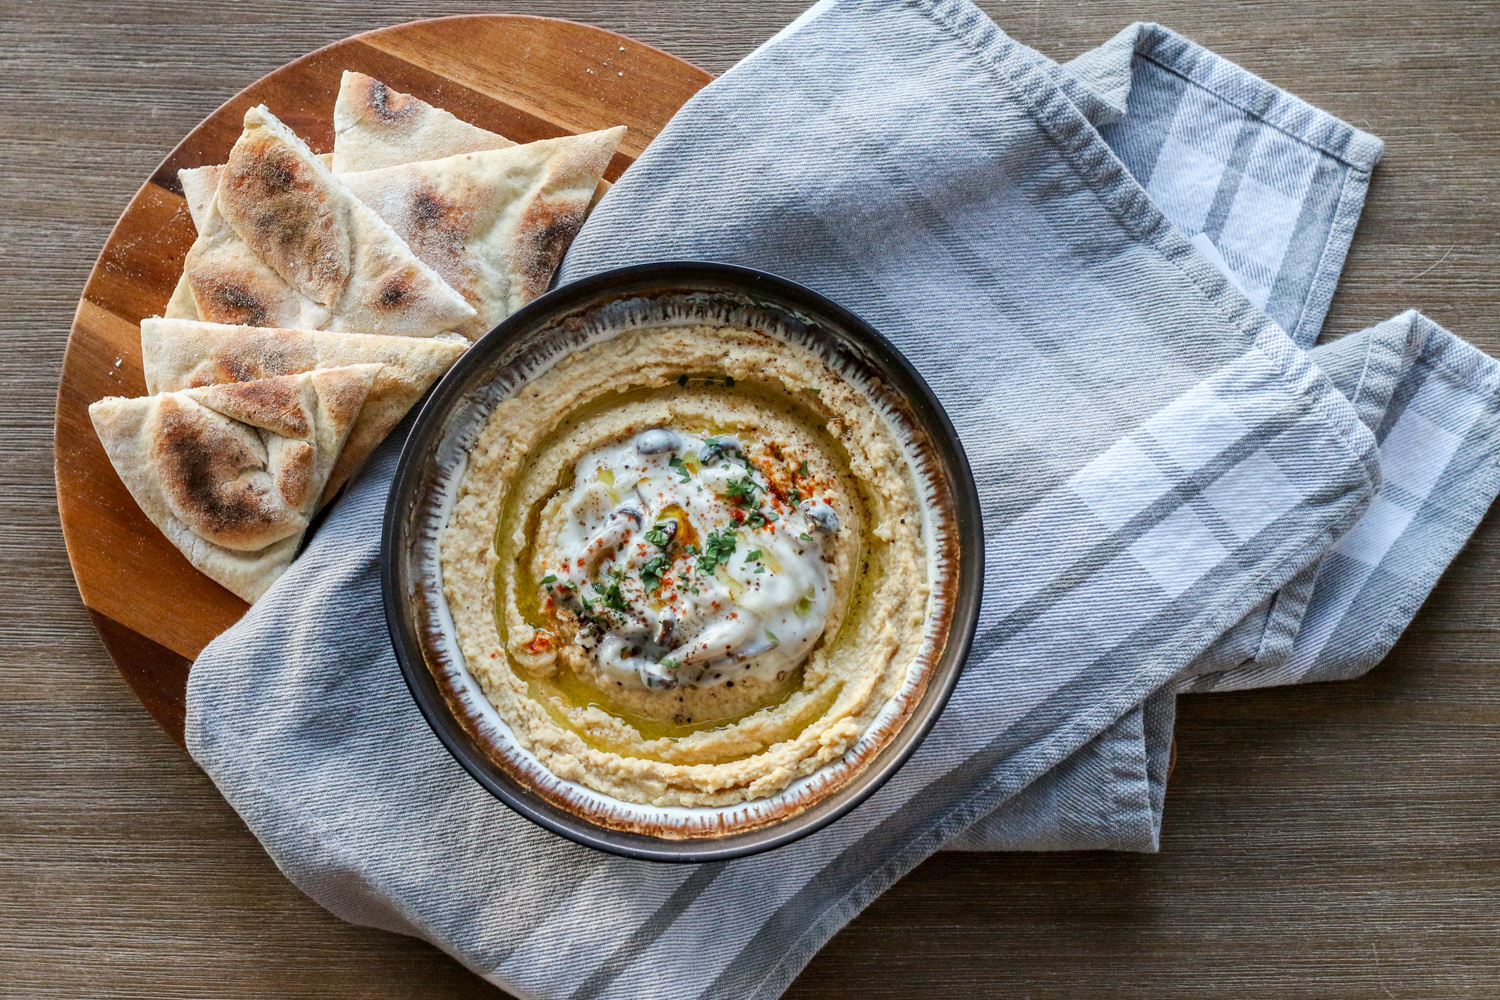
point(1328, 841)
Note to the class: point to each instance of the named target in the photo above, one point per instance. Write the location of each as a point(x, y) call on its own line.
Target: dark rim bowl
point(432, 463)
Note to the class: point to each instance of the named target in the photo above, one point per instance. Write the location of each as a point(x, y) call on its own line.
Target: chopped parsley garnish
point(805, 536)
point(760, 567)
point(549, 579)
point(794, 495)
point(658, 535)
point(771, 638)
point(761, 518)
point(669, 663)
point(654, 569)
point(676, 463)
point(717, 548)
point(611, 595)
point(714, 449)
point(802, 469)
point(743, 490)
point(753, 554)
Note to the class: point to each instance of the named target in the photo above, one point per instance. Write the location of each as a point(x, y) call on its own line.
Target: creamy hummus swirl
point(688, 566)
point(685, 565)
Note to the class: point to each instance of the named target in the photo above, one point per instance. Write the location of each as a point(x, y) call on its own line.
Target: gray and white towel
point(1109, 273)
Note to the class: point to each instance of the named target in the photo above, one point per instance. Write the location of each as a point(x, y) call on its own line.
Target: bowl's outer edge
point(431, 698)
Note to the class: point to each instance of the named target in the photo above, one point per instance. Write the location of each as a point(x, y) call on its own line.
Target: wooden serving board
point(526, 78)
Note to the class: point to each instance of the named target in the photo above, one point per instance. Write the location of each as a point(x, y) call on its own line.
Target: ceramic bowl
point(431, 467)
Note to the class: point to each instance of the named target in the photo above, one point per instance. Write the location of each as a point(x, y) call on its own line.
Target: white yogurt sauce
point(747, 597)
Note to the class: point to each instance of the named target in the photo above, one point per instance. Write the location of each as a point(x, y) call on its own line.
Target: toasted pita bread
point(494, 224)
point(285, 244)
point(375, 126)
point(231, 474)
point(182, 355)
point(198, 187)
point(181, 304)
point(227, 283)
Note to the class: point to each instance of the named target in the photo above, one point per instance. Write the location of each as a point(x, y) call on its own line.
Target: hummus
point(688, 565)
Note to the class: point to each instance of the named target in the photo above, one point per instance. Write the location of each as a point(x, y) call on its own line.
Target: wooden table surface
point(1328, 841)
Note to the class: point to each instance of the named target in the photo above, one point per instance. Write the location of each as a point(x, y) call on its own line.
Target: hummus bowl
point(682, 561)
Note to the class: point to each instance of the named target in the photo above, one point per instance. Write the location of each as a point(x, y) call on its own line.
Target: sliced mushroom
point(717, 641)
point(666, 631)
point(819, 516)
point(616, 531)
point(657, 441)
point(719, 446)
point(658, 677)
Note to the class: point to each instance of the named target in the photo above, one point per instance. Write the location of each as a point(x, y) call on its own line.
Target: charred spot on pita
point(429, 208)
point(541, 240)
point(388, 105)
point(395, 292)
point(279, 204)
point(263, 166)
point(439, 226)
point(208, 474)
point(278, 173)
point(221, 300)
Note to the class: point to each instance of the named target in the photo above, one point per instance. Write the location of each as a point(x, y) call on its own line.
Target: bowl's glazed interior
point(530, 342)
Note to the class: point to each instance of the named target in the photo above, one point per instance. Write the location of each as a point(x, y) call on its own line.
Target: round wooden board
point(526, 78)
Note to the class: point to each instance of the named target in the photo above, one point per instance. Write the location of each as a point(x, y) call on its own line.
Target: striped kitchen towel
point(1082, 262)
point(1302, 201)
point(1432, 402)
point(1267, 186)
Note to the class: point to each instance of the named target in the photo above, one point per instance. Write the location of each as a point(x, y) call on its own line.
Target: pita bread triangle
point(232, 474)
point(375, 126)
point(183, 354)
point(199, 185)
point(181, 304)
point(495, 224)
point(285, 244)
